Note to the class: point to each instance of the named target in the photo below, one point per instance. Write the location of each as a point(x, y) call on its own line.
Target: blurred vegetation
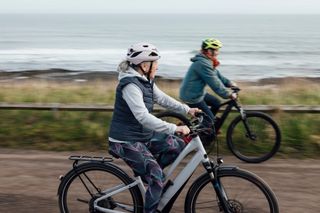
point(300, 135)
point(63, 130)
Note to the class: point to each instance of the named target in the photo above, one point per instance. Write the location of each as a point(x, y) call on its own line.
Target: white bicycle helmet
point(141, 52)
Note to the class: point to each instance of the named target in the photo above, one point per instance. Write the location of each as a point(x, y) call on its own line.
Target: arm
point(226, 82)
point(211, 77)
point(134, 98)
point(168, 102)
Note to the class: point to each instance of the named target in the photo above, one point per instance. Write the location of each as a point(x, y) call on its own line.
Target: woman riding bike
point(203, 72)
point(143, 141)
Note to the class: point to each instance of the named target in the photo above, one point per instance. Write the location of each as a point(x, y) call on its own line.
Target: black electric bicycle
point(253, 137)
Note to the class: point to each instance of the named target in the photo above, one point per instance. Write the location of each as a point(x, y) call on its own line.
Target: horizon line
point(146, 13)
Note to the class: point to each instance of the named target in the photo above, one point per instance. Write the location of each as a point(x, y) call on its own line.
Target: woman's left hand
point(193, 111)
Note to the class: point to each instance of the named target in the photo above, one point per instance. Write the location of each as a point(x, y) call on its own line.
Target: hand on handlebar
point(233, 96)
point(182, 130)
point(194, 111)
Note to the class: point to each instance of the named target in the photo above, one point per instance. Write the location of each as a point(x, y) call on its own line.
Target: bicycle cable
point(216, 139)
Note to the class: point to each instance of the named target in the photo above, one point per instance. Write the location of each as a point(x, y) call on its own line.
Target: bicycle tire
point(267, 138)
point(241, 199)
point(179, 119)
point(173, 117)
point(84, 201)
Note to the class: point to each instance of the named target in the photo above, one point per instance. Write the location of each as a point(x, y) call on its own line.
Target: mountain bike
point(252, 137)
point(96, 184)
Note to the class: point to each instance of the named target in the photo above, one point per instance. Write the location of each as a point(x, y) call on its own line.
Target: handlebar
point(235, 89)
point(199, 124)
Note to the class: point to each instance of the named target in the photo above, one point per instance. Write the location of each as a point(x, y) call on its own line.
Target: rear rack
point(77, 158)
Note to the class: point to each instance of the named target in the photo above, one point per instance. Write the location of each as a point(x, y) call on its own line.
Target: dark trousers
point(209, 105)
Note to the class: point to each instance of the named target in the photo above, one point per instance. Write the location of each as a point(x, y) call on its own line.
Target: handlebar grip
point(235, 89)
point(198, 114)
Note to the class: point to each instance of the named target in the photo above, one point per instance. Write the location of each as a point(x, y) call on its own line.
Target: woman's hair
point(125, 65)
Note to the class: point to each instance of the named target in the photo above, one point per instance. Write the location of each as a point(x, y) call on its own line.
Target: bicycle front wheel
point(86, 183)
point(242, 192)
point(254, 139)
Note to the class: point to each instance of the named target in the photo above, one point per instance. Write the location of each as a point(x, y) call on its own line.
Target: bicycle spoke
point(83, 201)
point(254, 140)
point(210, 203)
point(242, 194)
point(91, 185)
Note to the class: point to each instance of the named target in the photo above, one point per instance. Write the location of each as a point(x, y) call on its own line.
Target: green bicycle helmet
point(211, 43)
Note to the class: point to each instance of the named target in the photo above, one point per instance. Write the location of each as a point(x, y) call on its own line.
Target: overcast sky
point(161, 6)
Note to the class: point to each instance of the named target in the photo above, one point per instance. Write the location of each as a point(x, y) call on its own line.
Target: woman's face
point(154, 68)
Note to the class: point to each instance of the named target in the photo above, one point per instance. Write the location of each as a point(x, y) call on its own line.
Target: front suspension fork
point(218, 187)
point(245, 122)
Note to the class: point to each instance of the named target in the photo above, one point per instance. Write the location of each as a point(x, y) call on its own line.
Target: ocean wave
point(60, 51)
point(174, 62)
point(107, 51)
point(266, 52)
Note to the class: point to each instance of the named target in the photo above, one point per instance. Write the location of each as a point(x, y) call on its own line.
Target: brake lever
point(235, 89)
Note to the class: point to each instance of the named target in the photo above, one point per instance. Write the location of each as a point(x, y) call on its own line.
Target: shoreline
point(57, 75)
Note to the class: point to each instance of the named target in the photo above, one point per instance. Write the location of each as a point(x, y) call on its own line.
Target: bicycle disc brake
point(235, 206)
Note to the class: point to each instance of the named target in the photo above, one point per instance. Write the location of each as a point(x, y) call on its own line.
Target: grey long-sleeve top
point(133, 95)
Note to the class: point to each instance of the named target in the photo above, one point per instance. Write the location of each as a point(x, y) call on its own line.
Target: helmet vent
point(130, 51)
point(145, 46)
point(135, 54)
point(153, 54)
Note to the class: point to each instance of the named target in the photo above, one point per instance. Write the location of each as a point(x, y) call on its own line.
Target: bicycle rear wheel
point(244, 192)
point(89, 181)
point(262, 142)
point(179, 120)
point(173, 117)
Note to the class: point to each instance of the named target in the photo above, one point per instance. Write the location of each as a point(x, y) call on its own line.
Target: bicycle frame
point(184, 175)
point(176, 185)
point(230, 104)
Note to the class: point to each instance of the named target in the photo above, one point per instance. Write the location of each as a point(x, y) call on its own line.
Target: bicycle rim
point(83, 187)
point(244, 191)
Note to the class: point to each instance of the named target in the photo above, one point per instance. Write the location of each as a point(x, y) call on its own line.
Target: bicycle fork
point(217, 185)
point(243, 114)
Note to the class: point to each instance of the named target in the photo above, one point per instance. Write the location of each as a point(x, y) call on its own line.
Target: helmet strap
point(147, 74)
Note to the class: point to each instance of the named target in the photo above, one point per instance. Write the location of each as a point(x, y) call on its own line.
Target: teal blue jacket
point(200, 74)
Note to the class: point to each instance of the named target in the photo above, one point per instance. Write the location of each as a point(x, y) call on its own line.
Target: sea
point(254, 46)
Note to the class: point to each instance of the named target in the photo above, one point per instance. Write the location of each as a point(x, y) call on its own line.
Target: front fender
point(227, 167)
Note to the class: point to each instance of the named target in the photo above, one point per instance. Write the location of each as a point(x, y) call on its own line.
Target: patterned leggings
point(147, 160)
